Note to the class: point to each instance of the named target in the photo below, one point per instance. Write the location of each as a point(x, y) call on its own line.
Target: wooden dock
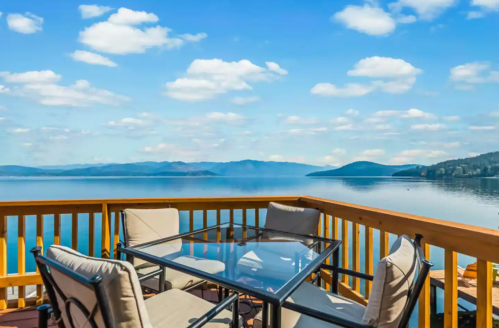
point(466, 293)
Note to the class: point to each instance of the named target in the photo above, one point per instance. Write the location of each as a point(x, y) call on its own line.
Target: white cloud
point(383, 127)
point(276, 68)
point(416, 113)
point(21, 130)
point(426, 9)
point(281, 158)
point(225, 118)
point(340, 120)
point(207, 78)
point(31, 77)
point(26, 24)
point(59, 137)
point(352, 112)
point(344, 127)
point(244, 100)
point(452, 118)
point(118, 35)
point(194, 37)
point(4, 89)
point(350, 90)
point(27, 144)
point(415, 155)
point(482, 127)
point(406, 19)
point(168, 149)
point(429, 127)
point(128, 122)
point(475, 14)
point(473, 73)
point(92, 58)
point(487, 4)
point(465, 87)
point(304, 132)
point(339, 152)
point(40, 86)
point(90, 11)
point(495, 114)
point(366, 19)
point(399, 76)
point(297, 120)
point(383, 67)
point(387, 113)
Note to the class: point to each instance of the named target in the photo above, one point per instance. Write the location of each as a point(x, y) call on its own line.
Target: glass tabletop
point(266, 262)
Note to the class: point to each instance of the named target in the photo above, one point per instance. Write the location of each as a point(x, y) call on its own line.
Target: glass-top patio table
point(263, 263)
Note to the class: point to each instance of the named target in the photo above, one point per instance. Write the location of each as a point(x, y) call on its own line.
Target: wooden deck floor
point(466, 293)
point(28, 317)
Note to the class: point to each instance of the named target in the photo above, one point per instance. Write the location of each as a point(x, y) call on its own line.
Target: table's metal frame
point(274, 299)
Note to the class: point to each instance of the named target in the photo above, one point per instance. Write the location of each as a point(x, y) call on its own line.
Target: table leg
point(226, 292)
point(276, 316)
point(265, 314)
point(336, 263)
point(220, 293)
point(162, 280)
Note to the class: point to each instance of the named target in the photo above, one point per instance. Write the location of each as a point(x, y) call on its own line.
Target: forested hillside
point(485, 165)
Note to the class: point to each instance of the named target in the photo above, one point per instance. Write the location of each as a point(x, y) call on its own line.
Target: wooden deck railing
point(354, 225)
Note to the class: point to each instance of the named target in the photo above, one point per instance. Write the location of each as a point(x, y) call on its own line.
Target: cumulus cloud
point(429, 127)
point(345, 127)
point(417, 155)
point(297, 120)
point(412, 113)
point(397, 74)
point(340, 120)
point(118, 35)
point(92, 58)
point(244, 100)
point(452, 118)
point(366, 19)
point(486, 6)
point(26, 24)
point(207, 78)
point(4, 89)
point(170, 151)
point(352, 112)
point(416, 113)
point(482, 127)
point(276, 68)
point(21, 130)
point(41, 86)
point(129, 122)
point(473, 73)
point(305, 132)
point(90, 11)
point(194, 37)
point(426, 9)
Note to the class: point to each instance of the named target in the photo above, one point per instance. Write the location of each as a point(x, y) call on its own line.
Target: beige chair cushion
point(179, 309)
point(178, 280)
point(304, 221)
point(143, 226)
point(393, 278)
point(319, 299)
point(119, 280)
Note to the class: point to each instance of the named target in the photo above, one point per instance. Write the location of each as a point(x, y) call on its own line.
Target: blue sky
point(321, 82)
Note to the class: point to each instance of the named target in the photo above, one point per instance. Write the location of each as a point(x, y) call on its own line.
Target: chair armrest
point(323, 316)
point(150, 275)
point(234, 298)
point(347, 272)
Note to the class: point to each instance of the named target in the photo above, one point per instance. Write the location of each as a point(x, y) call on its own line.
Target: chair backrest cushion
point(121, 285)
point(304, 221)
point(391, 285)
point(142, 226)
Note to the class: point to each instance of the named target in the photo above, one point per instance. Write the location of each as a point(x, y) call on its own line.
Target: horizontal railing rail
point(355, 225)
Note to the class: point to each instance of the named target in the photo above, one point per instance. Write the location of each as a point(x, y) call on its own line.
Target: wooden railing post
point(21, 258)
point(384, 244)
point(356, 255)
point(369, 259)
point(450, 290)
point(106, 233)
point(39, 242)
point(191, 220)
point(424, 297)
point(116, 238)
point(57, 229)
point(3, 259)
point(74, 231)
point(335, 229)
point(91, 234)
point(484, 294)
point(344, 249)
point(257, 217)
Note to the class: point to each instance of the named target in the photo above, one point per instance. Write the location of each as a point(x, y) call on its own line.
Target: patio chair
point(101, 293)
point(142, 226)
point(397, 284)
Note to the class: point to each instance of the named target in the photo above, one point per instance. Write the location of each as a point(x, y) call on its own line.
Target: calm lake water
point(471, 201)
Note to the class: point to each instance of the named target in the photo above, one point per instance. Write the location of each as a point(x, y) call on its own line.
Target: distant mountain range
point(366, 169)
point(238, 168)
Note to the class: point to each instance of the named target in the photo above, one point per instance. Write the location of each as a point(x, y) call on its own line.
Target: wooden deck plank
point(466, 293)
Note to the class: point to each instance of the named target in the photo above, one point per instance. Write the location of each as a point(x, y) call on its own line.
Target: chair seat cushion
point(179, 309)
point(319, 299)
point(179, 280)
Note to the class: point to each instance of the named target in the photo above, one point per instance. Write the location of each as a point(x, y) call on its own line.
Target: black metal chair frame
point(413, 295)
point(161, 276)
point(95, 284)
